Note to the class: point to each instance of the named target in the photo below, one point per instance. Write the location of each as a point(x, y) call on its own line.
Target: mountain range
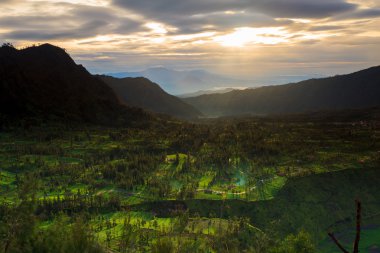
point(44, 82)
point(220, 90)
point(181, 82)
point(357, 90)
point(141, 92)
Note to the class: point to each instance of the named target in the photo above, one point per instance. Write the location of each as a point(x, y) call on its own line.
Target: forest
point(248, 184)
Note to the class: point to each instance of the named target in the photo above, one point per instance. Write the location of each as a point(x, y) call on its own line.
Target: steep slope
point(141, 92)
point(45, 82)
point(358, 90)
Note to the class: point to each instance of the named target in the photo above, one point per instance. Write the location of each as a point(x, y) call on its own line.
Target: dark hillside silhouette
point(44, 81)
point(353, 91)
point(141, 92)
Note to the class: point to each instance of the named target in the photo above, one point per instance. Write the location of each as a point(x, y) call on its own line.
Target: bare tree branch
point(337, 243)
point(357, 238)
point(358, 222)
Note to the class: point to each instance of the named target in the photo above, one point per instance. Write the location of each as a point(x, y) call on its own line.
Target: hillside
point(141, 92)
point(358, 90)
point(45, 82)
point(181, 82)
point(208, 92)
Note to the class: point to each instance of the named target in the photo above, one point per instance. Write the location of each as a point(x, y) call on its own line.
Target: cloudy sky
point(264, 40)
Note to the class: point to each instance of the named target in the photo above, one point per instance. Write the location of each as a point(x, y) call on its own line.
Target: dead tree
point(357, 237)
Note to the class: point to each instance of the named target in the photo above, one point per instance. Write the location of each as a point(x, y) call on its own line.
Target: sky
point(268, 41)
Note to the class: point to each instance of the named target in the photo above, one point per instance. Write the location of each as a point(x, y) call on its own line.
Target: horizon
point(212, 89)
point(242, 39)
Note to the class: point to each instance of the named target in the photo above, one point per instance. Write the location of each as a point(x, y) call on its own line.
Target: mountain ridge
point(356, 90)
point(143, 93)
point(181, 82)
point(44, 81)
point(210, 92)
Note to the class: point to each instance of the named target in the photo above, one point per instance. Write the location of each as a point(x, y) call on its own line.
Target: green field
point(241, 186)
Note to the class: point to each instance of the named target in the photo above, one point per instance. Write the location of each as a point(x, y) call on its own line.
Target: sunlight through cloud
point(157, 28)
point(246, 35)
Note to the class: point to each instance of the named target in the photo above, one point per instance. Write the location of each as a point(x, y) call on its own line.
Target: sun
point(244, 36)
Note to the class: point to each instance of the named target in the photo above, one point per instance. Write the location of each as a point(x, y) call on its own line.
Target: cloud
point(3, 2)
point(326, 28)
point(222, 21)
point(187, 13)
point(277, 8)
point(82, 31)
point(77, 22)
point(228, 36)
point(303, 8)
point(363, 14)
point(193, 16)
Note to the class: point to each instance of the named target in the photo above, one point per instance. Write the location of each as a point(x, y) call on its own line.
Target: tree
point(300, 243)
point(357, 237)
point(63, 237)
point(18, 223)
point(176, 162)
point(181, 222)
point(128, 236)
point(163, 245)
point(8, 44)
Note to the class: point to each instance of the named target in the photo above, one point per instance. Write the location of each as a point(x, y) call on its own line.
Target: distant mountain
point(180, 82)
point(357, 90)
point(208, 92)
point(45, 82)
point(141, 92)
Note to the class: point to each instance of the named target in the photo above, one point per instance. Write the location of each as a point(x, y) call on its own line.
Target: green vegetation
point(242, 185)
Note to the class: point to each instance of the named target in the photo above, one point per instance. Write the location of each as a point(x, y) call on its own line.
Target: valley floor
point(249, 185)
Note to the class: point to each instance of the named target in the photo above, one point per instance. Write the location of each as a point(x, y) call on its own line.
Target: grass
point(113, 224)
point(313, 176)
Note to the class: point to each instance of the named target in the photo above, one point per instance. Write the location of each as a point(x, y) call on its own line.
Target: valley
point(93, 163)
point(189, 186)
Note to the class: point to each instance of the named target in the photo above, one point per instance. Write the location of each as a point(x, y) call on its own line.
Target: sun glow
point(247, 35)
point(157, 28)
